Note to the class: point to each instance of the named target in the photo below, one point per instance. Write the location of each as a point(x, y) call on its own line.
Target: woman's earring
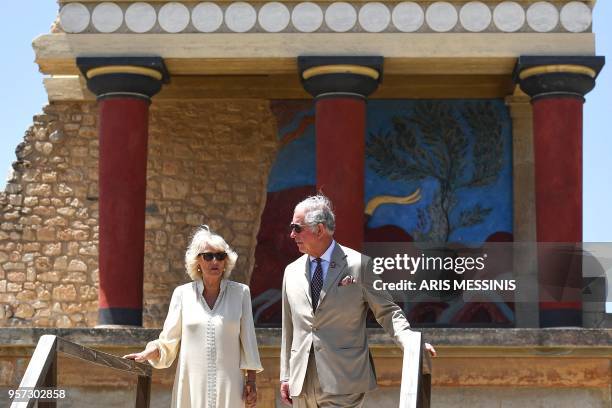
point(199, 269)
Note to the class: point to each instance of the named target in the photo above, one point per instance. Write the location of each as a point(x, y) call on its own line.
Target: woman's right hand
point(150, 353)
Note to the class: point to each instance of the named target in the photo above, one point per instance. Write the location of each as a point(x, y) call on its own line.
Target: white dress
point(215, 345)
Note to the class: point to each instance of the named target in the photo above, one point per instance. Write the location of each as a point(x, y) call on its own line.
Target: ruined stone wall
point(208, 163)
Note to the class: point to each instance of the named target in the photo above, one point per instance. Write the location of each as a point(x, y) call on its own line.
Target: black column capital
point(557, 76)
point(324, 76)
point(138, 77)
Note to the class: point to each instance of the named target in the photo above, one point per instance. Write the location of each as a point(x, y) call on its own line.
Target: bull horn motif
point(375, 202)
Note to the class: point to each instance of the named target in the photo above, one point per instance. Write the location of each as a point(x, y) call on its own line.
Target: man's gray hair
point(318, 210)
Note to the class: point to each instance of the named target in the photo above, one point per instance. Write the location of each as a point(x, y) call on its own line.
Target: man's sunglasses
point(297, 228)
point(208, 256)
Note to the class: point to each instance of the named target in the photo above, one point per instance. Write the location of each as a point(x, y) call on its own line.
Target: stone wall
point(208, 163)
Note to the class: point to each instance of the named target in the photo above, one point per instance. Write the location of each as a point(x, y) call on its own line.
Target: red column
point(122, 187)
point(124, 87)
point(557, 127)
point(340, 133)
point(340, 86)
point(557, 86)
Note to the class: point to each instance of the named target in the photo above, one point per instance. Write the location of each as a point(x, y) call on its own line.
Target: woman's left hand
point(249, 394)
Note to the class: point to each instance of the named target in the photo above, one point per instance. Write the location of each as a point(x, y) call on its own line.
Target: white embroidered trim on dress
point(211, 349)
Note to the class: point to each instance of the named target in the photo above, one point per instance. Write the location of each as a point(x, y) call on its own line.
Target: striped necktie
point(316, 284)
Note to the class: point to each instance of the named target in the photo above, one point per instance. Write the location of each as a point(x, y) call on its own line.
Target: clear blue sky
point(22, 96)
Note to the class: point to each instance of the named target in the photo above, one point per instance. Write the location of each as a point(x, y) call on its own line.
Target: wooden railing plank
point(44, 357)
point(103, 359)
point(42, 369)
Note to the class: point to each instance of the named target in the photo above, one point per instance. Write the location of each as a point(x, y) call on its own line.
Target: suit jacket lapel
point(306, 280)
point(336, 266)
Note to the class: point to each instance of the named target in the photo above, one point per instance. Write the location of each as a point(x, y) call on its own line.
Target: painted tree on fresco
point(429, 142)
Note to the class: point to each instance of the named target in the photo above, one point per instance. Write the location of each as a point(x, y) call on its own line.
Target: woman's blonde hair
point(202, 237)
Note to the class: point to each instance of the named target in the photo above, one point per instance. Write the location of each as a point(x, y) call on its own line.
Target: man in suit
point(325, 360)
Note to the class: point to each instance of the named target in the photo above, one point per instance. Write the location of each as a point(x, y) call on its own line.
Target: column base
point(120, 316)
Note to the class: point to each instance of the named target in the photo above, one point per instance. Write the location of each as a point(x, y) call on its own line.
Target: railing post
point(143, 391)
point(424, 388)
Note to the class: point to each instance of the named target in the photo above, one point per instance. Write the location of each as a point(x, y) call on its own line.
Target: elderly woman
point(211, 319)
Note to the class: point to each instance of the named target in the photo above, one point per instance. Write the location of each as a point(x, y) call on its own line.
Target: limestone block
point(52, 249)
point(44, 147)
point(12, 215)
point(49, 177)
point(91, 250)
point(42, 293)
point(153, 222)
point(24, 311)
point(38, 189)
point(26, 295)
point(15, 199)
point(46, 234)
point(76, 265)
point(56, 221)
point(44, 211)
point(31, 246)
point(14, 266)
point(174, 189)
point(14, 287)
point(30, 201)
point(61, 263)
point(41, 305)
point(64, 293)
point(87, 292)
point(75, 277)
point(66, 211)
point(18, 277)
point(63, 321)
point(49, 276)
point(42, 263)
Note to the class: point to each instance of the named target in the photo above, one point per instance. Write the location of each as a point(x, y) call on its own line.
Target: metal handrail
point(42, 370)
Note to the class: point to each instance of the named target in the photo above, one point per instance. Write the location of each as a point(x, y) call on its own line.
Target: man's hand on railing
point(150, 353)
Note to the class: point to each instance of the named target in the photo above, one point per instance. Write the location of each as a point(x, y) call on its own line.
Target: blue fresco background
point(295, 166)
point(497, 196)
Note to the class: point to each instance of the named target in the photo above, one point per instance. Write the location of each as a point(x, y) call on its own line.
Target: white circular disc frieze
point(340, 17)
point(576, 17)
point(307, 17)
point(542, 17)
point(509, 16)
point(475, 16)
point(441, 16)
point(408, 17)
point(240, 17)
point(374, 17)
point(74, 17)
point(173, 17)
point(140, 17)
point(107, 17)
point(274, 17)
point(207, 17)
